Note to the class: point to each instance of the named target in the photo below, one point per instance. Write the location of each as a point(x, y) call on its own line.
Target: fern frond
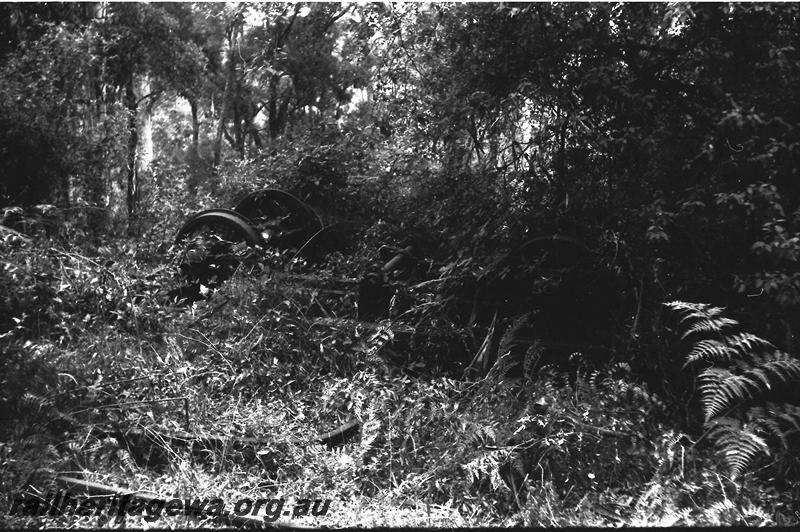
point(721, 388)
point(781, 366)
point(701, 312)
point(705, 317)
point(709, 324)
point(738, 346)
point(708, 350)
point(789, 414)
point(720, 507)
point(487, 433)
point(511, 333)
point(487, 465)
point(688, 310)
point(370, 430)
point(379, 339)
point(683, 305)
point(31, 401)
point(746, 343)
point(532, 356)
point(124, 456)
point(759, 417)
point(778, 420)
point(595, 380)
point(743, 367)
point(757, 513)
point(739, 443)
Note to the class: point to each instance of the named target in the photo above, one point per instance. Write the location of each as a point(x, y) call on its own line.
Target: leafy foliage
point(738, 372)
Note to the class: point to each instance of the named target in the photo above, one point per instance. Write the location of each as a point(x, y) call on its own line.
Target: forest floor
point(93, 350)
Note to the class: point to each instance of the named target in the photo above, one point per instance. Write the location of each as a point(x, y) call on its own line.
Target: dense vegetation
point(665, 136)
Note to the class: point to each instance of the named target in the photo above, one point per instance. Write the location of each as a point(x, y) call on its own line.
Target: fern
point(702, 318)
point(737, 346)
point(739, 442)
point(778, 420)
point(532, 356)
point(710, 324)
point(487, 466)
point(370, 431)
point(382, 337)
point(740, 372)
point(787, 413)
point(509, 336)
point(721, 389)
point(756, 513)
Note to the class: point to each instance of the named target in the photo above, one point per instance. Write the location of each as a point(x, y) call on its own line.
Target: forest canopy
point(645, 121)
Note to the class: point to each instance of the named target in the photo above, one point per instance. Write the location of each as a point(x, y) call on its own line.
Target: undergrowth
point(92, 342)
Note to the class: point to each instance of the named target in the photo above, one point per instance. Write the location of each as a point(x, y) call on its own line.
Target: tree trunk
point(133, 141)
point(273, 108)
point(252, 130)
point(254, 134)
point(562, 188)
point(195, 148)
point(145, 131)
point(239, 121)
point(233, 33)
point(196, 164)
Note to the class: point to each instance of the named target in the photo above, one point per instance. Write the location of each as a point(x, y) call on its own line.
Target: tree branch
point(155, 94)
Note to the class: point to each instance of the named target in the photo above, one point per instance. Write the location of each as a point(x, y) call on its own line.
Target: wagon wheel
point(211, 244)
point(327, 240)
point(282, 219)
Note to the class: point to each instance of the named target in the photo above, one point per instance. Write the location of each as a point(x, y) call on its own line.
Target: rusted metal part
point(281, 218)
point(232, 224)
point(400, 258)
point(210, 243)
point(210, 239)
point(546, 273)
point(375, 290)
point(542, 285)
point(96, 489)
point(340, 434)
point(269, 217)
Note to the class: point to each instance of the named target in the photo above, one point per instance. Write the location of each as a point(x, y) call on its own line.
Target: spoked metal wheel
point(282, 220)
point(328, 239)
point(211, 244)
